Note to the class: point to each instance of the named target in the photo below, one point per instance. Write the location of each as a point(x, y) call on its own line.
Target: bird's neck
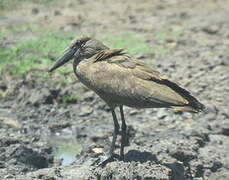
point(76, 63)
point(78, 60)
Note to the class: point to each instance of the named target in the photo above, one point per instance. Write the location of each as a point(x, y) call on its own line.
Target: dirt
point(164, 145)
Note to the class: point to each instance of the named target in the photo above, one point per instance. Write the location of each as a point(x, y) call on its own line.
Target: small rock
point(10, 121)
point(57, 13)
point(211, 29)
point(3, 86)
point(133, 112)
point(85, 111)
point(161, 114)
point(58, 126)
point(35, 11)
point(98, 150)
point(8, 176)
point(40, 96)
point(88, 96)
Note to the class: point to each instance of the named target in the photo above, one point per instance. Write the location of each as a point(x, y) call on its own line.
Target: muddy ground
point(163, 144)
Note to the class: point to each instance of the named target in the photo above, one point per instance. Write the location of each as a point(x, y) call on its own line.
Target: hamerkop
point(122, 80)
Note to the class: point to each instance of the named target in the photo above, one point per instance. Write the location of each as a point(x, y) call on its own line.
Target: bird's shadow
point(178, 170)
point(137, 156)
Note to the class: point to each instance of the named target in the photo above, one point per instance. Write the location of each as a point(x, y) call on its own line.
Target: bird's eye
point(75, 47)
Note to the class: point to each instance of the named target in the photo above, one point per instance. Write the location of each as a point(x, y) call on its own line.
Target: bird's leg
point(123, 133)
point(106, 157)
point(115, 133)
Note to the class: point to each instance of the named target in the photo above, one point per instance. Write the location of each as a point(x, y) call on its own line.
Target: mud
point(164, 145)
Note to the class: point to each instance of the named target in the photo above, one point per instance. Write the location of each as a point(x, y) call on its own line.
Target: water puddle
point(67, 148)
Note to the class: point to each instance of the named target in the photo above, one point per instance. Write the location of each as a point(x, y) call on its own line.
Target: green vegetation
point(69, 98)
point(160, 51)
point(2, 34)
point(132, 42)
point(40, 52)
point(12, 4)
point(172, 35)
point(165, 42)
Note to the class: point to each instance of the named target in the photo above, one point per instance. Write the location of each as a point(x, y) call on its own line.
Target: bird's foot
point(105, 158)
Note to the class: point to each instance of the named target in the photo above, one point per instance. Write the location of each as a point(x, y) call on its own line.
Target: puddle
point(67, 148)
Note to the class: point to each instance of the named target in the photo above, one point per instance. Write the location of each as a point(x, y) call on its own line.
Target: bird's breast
point(90, 74)
point(82, 72)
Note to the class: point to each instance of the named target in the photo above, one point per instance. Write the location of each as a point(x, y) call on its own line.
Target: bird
point(121, 80)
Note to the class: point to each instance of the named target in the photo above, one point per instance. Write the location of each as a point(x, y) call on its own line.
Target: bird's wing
point(119, 57)
point(170, 91)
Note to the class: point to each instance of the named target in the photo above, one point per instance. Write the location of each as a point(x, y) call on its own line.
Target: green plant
point(34, 54)
point(12, 4)
point(69, 98)
point(132, 42)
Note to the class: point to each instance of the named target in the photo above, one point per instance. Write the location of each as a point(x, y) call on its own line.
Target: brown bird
point(122, 80)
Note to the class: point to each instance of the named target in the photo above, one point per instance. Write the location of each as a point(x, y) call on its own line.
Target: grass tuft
point(12, 4)
point(35, 54)
point(132, 42)
point(69, 98)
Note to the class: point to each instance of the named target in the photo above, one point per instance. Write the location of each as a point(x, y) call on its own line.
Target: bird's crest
point(79, 40)
point(105, 54)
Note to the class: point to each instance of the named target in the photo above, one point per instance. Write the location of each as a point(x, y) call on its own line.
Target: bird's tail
point(193, 104)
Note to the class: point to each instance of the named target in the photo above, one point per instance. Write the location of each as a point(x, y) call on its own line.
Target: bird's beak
point(64, 58)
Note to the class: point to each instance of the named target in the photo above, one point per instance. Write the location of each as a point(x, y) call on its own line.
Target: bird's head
point(79, 48)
